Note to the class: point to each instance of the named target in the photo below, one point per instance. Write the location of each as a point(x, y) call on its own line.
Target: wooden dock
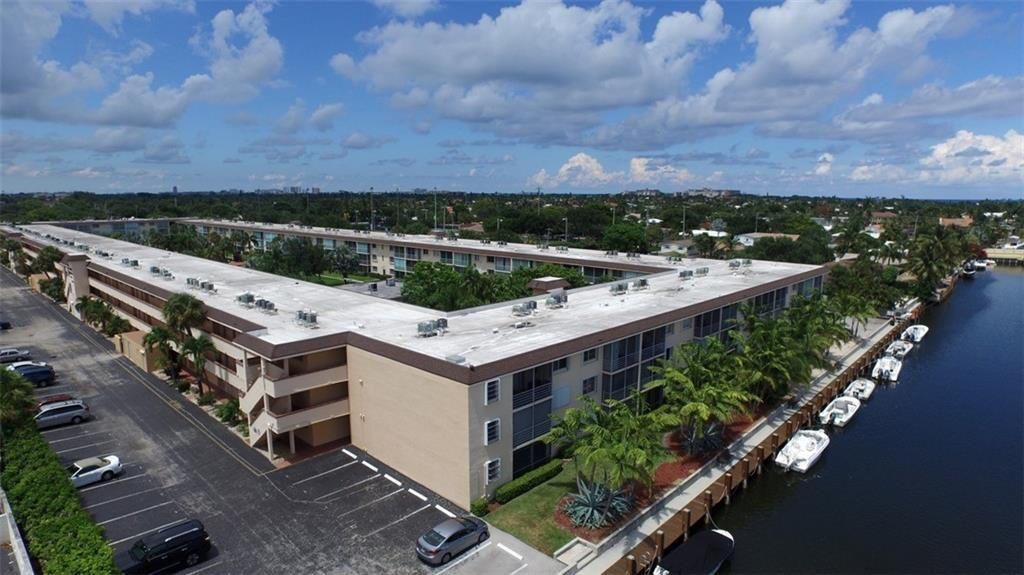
point(748, 465)
point(1004, 257)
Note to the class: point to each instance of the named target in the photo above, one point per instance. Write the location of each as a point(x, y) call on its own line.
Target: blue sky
point(833, 98)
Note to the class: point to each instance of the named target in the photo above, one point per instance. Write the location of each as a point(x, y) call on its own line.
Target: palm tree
point(195, 349)
point(162, 340)
point(182, 312)
point(47, 258)
point(17, 398)
point(706, 245)
point(568, 430)
point(115, 325)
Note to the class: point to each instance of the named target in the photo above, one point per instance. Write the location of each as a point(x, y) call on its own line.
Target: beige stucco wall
point(324, 431)
point(412, 420)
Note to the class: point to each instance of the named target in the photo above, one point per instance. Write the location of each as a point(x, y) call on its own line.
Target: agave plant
point(594, 505)
point(711, 438)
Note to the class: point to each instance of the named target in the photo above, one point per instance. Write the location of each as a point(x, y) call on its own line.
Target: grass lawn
point(335, 276)
point(531, 516)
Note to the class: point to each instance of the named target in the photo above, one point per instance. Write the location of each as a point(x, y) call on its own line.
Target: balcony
point(532, 395)
point(277, 384)
point(285, 422)
point(653, 351)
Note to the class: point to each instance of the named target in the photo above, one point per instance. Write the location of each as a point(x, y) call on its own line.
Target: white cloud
point(136, 103)
point(407, 8)
point(580, 170)
point(110, 13)
point(988, 96)
point(323, 117)
point(167, 150)
point(653, 171)
point(878, 172)
point(824, 165)
point(292, 120)
point(974, 158)
point(102, 141)
point(537, 70)
point(362, 141)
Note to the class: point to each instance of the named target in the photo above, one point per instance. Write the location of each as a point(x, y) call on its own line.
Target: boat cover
point(703, 553)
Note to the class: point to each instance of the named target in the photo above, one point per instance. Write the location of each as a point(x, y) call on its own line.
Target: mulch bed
point(666, 476)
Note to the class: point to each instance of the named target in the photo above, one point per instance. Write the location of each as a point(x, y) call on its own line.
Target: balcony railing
point(284, 422)
point(532, 432)
point(277, 384)
point(654, 350)
point(533, 395)
point(617, 363)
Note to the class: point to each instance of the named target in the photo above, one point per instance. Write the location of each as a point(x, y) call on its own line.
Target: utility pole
point(499, 228)
point(371, 208)
point(435, 208)
point(566, 220)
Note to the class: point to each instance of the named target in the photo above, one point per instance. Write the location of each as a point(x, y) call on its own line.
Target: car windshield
point(433, 538)
point(72, 469)
point(138, 551)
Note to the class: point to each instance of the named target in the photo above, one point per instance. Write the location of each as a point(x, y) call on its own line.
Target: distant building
point(644, 193)
point(294, 190)
point(961, 222)
point(314, 190)
point(174, 189)
point(883, 217)
point(712, 233)
point(748, 240)
point(711, 193)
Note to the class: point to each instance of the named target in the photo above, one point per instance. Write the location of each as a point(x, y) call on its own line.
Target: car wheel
point(483, 537)
point(446, 558)
point(192, 559)
point(76, 420)
point(107, 475)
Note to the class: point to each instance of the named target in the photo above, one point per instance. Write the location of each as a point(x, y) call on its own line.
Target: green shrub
point(521, 485)
point(229, 412)
point(206, 399)
point(60, 534)
point(479, 507)
point(182, 386)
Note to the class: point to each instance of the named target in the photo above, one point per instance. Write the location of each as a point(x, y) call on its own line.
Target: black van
point(186, 542)
point(39, 375)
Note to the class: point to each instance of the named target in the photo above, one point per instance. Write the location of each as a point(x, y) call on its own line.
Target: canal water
point(927, 478)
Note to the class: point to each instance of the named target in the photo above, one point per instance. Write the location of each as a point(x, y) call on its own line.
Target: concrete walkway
point(599, 558)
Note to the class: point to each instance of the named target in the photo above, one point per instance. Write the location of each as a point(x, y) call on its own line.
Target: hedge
point(478, 507)
point(60, 534)
point(521, 485)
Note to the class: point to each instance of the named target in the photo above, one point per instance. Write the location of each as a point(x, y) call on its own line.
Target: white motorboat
point(802, 450)
point(915, 333)
point(861, 388)
point(990, 263)
point(899, 349)
point(887, 369)
point(981, 265)
point(839, 411)
point(704, 553)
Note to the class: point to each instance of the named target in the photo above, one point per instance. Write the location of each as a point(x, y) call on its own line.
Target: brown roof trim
point(442, 246)
point(219, 316)
point(551, 353)
point(74, 258)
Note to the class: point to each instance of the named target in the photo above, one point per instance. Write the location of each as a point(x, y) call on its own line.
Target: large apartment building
point(458, 401)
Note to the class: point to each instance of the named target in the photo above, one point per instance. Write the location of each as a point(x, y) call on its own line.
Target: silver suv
point(71, 411)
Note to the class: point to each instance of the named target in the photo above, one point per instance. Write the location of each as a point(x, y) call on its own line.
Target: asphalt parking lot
point(340, 512)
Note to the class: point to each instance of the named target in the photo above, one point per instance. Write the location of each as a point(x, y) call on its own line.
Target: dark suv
point(38, 375)
point(186, 542)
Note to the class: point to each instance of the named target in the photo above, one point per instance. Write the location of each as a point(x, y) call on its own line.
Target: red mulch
point(667, 475)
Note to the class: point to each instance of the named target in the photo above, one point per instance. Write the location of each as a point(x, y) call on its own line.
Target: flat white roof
point(479, 335)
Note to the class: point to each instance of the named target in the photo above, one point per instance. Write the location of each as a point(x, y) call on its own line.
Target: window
point(492, 431)
point(493, 470)
point(493, 392)
point(560, 365)
point(590, 355)
point(670, 329)
point(529, 457)
point(589, 384)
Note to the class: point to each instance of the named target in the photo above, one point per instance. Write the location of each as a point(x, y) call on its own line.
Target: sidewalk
point(593, 559)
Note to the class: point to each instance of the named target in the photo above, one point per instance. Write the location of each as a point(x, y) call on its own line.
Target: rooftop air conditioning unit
point(426, 328)
point(166, 273)
point(747, 263)
point(618, 289)
point(126, 262)
point(734, 264)
point(135, 263)
point(155, 270)
point(640, 284)
point(373, 288)
point(442, 324)
point(686, 274)
point(521, 309)
point(557, 299)
point(702, 272)
point(502, 243)
point(485, 241)
point(562, 248)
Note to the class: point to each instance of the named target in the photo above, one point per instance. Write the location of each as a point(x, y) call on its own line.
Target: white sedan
point(94, 469)
point(14, 366)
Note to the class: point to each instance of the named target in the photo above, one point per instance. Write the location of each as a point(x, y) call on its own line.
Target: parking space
point(339, 512)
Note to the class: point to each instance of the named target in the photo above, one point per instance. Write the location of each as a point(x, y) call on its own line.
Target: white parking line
point(399, 520)
point(349, 453)
point(445, 511)
point(137, 535)
point(418, 494)
point(44, 391)
point(372, 468)
point(525, 565)
point(135, 512)
point(324, 473)
point(464, 557)
point(114, 482)
point(326, 495)
point(122, 497)
point(392, 480)
point(83, 446)
point(76, 436)
point(510, 552)
point(56, 429)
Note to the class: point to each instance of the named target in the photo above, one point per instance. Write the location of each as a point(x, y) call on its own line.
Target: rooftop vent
point(522, 324)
